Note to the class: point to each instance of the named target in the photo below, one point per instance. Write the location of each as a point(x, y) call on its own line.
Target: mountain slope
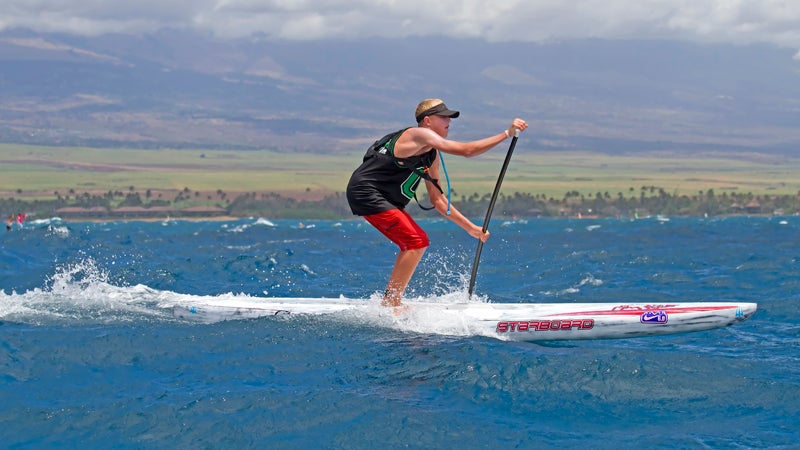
point(181, 89)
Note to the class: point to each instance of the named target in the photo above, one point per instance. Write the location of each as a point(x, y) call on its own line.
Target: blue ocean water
point(92, 357)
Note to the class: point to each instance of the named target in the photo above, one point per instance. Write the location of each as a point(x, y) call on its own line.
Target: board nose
point(746, 310)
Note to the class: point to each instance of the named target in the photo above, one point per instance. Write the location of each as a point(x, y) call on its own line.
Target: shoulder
point(415, 141)
point(417, 132)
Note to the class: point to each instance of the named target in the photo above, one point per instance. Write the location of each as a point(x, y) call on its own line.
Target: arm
point(419, 140)
point(439, 201)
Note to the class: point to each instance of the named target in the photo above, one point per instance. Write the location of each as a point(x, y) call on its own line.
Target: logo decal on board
point(544, 325)
point(654, 317)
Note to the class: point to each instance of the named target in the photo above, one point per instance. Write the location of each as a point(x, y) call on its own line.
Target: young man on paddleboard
point(387, 180)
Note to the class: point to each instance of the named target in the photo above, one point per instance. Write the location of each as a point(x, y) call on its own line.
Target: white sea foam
point(81, 292)
point(265, 222)
point(44, 222)
point(588, 280)
point(245, 226)
point(61, 231)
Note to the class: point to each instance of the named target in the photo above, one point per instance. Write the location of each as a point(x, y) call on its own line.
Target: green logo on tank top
point(409, 186)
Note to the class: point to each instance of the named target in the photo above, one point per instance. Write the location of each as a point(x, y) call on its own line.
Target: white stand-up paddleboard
point(506, 321)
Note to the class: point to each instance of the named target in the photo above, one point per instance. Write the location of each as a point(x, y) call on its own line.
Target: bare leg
point(404, 267)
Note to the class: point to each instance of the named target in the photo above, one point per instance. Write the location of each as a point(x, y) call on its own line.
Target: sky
point(709, 21)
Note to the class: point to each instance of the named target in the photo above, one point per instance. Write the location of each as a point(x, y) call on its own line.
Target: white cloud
point(735, 21)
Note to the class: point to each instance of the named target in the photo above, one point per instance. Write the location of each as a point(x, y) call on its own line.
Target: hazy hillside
point(176, 89)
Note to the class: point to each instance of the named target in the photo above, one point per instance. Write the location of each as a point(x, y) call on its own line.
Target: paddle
point(489, 211)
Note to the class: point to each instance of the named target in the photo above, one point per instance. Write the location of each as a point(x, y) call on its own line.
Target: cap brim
point(438, 110)
point(449, 113)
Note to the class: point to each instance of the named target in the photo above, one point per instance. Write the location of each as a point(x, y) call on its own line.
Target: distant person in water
point(387, 180)
point(9, 222)
point(21, 218)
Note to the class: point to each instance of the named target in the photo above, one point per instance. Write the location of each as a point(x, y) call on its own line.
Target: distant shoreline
point(356, 218)
point(650, 202)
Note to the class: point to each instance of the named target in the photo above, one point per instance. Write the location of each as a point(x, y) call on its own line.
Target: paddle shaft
point(489, 213)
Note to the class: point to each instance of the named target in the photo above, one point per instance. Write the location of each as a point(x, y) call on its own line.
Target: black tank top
point(383, 182)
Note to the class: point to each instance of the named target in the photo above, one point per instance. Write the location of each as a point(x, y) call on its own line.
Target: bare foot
point(400, 310)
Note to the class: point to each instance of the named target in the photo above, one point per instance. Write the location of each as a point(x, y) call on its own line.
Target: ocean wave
point(81, 294)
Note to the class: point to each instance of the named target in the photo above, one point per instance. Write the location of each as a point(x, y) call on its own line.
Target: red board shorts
point(400, 228)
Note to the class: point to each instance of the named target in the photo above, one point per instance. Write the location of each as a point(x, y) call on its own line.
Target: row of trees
point(647, 200)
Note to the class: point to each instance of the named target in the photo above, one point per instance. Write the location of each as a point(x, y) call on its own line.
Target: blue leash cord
point(447, 178)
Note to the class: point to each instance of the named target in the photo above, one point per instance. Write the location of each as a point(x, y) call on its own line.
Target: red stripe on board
point(627, 310)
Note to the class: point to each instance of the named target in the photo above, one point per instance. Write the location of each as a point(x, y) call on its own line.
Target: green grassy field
point(29, 171)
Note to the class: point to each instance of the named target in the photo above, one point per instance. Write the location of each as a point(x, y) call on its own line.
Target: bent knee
point(415, 242)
